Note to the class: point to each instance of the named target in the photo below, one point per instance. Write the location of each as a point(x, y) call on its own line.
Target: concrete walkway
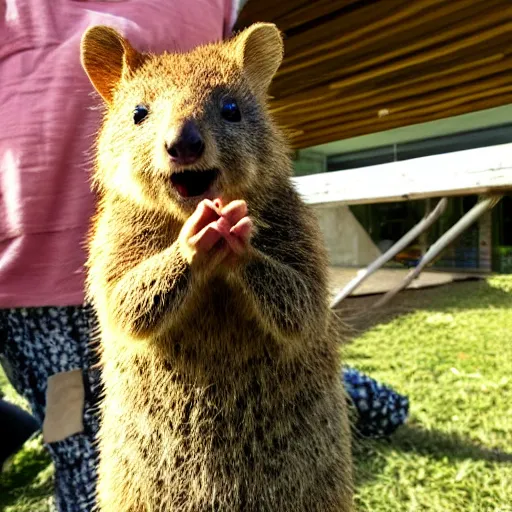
point(385, 279)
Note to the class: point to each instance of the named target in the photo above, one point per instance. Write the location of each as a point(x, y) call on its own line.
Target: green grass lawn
point(453, 357)
point(449, 349)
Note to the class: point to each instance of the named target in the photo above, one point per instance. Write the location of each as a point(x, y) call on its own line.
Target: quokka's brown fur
point(222, 390)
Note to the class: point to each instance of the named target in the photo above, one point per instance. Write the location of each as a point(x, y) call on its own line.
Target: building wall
point(309, 162)
point(347, 242)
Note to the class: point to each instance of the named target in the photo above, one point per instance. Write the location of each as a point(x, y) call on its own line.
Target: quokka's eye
point(230, 111)
point(140, 113)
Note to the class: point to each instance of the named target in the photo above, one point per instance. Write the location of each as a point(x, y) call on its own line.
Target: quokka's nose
point(187, 146)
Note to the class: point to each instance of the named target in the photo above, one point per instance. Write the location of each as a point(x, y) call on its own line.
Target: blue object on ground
point(380, 409)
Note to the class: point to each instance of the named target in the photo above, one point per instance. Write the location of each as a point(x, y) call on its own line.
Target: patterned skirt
point(36, 343)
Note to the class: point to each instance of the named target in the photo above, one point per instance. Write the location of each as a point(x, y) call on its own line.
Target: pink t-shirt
point(48, 123)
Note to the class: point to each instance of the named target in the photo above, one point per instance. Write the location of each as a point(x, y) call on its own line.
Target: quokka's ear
point(107, 57)
point(259, 51)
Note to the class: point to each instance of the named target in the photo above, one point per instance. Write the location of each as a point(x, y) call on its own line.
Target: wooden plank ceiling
point(354, 67)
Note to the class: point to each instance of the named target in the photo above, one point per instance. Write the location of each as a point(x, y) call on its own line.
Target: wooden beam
point(311, 11)
point(462, 37)
point(456, 79)
point(422, 104)
point(464, 43)
point(426, 41)
point(438, 73)
point(373, 124)
point(358, 25)
point(474, 171)
point(265, 10)
point(408, 25)
point(290, 102)
point(421, 100)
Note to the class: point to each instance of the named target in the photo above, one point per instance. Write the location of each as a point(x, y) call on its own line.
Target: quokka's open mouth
point(193, 183)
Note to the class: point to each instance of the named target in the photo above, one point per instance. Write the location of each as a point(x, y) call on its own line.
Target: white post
point(485, 241)
point(409, 237)
point(446, 239)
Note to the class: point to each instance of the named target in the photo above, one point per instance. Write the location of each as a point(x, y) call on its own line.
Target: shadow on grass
point(27, 477)
point(358, 316)
point(413, 439)
point(440, 445)
point(27, 499)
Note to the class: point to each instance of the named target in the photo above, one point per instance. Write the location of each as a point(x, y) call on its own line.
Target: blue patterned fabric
point(380, 409)
point(36, 343)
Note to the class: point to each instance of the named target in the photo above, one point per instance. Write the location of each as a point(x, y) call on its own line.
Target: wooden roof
point(354, 67)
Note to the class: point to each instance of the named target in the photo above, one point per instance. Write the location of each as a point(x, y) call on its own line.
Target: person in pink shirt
point(49, 121)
